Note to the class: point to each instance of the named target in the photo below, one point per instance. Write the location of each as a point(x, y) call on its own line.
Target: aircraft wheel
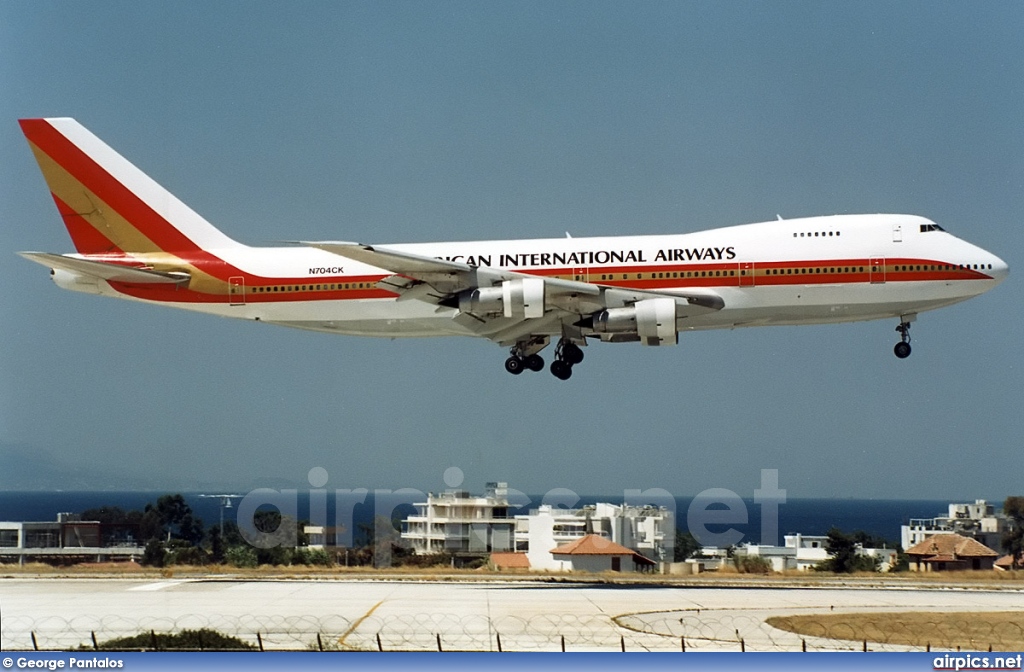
point(534, 362)
point(902, 350)
point(561, 369)
point(514, 365)
point(572, 353)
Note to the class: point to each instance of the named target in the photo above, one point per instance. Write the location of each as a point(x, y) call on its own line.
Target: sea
point(881, 518)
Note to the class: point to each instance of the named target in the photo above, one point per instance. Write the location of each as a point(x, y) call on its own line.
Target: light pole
point(225, 503)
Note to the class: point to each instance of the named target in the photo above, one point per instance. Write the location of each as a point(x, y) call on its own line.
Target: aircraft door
point(746, 274)
point(897, 233)
point(581, 273)
point(877, 272)
point(236, 290)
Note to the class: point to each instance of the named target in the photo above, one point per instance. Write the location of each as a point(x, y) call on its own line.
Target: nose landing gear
point(902, 349)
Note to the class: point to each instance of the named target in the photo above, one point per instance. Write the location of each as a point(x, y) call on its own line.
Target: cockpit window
point(931, 227)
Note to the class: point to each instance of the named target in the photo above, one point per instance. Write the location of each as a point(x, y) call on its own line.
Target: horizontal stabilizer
point(106, 270)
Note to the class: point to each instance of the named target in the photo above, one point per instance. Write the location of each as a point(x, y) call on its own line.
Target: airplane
point(135, 240)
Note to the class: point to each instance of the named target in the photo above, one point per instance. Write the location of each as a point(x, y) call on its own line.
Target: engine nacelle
point(652, 320)
point(75, 282)
point(481, 301)
point(522, 297)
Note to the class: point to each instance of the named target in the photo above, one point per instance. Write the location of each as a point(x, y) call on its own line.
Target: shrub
point(752, 564)
point(320, 558)
point(240, 556)
point(186, 639)
point(154, 554)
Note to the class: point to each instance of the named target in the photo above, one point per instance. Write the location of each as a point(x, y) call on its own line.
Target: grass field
point(991, 579)
point(977, 631)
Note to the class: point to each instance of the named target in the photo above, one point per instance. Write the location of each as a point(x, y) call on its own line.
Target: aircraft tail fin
point(108, 205)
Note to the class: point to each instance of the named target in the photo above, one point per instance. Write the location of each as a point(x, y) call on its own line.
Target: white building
point(804, 551)
point(978, 521)
point(67, 538)
point(320, 537)
point(808, 549)
point(594, 553)
point(646, 530)
point(457, 522)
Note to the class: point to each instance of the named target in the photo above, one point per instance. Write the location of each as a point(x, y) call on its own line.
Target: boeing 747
point(135, 240)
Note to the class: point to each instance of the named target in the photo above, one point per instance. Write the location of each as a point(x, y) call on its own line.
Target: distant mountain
point(24, 468)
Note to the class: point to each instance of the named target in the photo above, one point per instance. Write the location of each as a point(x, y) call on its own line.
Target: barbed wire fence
point(661, 631)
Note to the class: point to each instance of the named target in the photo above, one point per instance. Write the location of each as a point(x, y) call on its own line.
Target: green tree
point(216, 544)
point(154, 554)
point(901, 563)
point(686, 546)
point(1013, 538)
point(181, 552)
point(118, 525)
point(843, 555)
point(282, 535)
point(173, 517)
point(380, 544)
point(231, 534)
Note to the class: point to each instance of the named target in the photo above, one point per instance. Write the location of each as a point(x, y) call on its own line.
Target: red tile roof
point(939, 546)
point(510, 560)
point(1007, 561)
point(594, 544)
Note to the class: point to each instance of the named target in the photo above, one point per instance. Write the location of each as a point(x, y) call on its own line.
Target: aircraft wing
point(446, 277)
point(446, 284)
point(106, 270)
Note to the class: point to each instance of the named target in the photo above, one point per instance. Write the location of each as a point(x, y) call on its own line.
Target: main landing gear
point(567, 354)
point(902, 349)
point(516, 363)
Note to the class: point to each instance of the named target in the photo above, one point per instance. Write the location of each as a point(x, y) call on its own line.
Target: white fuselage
point(801, 271)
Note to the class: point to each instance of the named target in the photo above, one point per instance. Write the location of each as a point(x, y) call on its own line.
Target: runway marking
point(159, 585)
point(359, 621)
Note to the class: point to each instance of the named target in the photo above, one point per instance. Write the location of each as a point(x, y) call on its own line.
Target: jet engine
point(652, 320)
point(522, 297)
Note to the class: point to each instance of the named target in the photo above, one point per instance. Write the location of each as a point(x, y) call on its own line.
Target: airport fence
point(661, 631)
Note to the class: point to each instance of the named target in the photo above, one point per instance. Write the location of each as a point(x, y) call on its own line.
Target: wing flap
point(402, 263)
point(690, 301)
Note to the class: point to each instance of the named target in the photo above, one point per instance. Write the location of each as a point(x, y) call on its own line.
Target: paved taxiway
point(411, 615)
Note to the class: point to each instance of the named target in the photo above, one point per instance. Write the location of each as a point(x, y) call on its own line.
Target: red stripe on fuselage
point(793, 277)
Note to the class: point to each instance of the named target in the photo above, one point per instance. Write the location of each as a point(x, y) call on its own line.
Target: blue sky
point(393, 122)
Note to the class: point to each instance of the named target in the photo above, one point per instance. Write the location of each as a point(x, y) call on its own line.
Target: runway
point(478, 616)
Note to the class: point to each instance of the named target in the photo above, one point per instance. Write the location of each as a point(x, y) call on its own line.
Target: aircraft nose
point(1000, 269)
